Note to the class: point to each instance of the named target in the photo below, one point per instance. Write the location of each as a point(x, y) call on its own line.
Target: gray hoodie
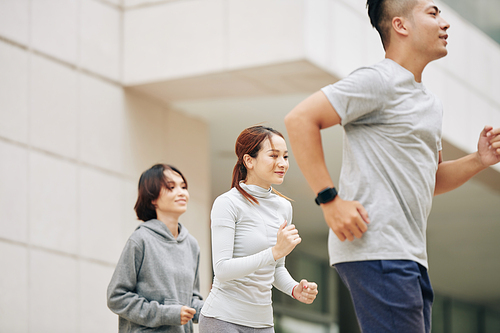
point(155, 276)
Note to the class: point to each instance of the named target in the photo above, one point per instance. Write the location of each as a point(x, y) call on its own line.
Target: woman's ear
point(248, 161)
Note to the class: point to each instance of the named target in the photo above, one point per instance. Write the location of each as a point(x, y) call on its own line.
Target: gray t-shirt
point(392, 138)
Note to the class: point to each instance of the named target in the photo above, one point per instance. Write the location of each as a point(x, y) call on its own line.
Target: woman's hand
point(305, 291)
point(288, 238)
point(187, 314)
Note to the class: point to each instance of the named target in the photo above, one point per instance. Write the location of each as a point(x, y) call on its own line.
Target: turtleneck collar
point(256, 190)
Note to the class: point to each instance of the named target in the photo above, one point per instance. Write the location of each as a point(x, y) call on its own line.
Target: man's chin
point(441, 55)
point(444, 53)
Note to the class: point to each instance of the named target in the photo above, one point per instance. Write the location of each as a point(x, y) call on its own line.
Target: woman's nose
point(281, 162)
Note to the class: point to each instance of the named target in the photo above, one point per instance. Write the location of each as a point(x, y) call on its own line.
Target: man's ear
point(248, 161)
point(399, 25)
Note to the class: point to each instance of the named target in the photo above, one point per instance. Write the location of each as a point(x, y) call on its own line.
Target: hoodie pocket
point(183, 298)
point(170, 301)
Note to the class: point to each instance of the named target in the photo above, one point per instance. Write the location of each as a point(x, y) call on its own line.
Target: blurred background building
point(93, 92)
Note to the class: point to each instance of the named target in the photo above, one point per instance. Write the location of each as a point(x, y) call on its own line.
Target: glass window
point(438, 315)
point(292, 316)
point(492, 322)
point(293, 325)
point(305, 266)
point(464, 318)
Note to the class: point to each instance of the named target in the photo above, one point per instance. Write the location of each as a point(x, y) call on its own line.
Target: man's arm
point(347, 219)
point(452, 174)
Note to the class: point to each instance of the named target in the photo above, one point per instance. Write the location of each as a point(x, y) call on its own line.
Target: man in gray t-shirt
point(392, 167)
point(392, 140)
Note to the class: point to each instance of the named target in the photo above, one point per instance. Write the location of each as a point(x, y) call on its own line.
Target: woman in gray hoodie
point(155, 286)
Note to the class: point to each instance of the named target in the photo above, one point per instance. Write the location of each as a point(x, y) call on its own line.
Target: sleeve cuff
point(271, 257)
point(172, 314)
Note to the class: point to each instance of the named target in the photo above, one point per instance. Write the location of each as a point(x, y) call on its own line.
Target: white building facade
point(94, 92)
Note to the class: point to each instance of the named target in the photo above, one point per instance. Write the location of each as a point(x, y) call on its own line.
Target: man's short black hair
point(381, 13)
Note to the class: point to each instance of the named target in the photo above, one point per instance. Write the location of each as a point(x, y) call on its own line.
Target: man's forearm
point(453, 174)
point(347, 219)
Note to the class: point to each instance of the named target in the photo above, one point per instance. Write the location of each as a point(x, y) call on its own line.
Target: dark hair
point(250, 142)
point(381, 13)
point(151, 183)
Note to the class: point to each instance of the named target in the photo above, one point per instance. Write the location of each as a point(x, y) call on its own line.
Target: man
point(392, 167)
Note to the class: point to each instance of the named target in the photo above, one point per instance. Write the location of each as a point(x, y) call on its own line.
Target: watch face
point(326, 195)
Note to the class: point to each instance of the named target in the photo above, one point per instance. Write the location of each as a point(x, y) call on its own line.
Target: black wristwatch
point(326, 195)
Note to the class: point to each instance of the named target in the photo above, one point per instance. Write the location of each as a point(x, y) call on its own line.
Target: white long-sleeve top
point(245, 270)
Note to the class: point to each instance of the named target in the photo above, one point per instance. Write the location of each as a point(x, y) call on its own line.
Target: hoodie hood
point(160, 230)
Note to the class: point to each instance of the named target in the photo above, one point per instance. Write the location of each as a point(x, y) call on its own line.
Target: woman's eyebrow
point(277, 150)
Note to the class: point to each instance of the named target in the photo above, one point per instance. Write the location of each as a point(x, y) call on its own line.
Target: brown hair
point(250, 142)
point(151, 183)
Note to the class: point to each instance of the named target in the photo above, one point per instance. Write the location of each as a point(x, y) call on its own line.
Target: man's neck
point(410, 61)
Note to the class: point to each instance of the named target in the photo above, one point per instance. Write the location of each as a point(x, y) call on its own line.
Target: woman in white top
point(251, 235)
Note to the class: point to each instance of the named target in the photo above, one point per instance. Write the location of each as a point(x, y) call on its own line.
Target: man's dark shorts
point(389, 295)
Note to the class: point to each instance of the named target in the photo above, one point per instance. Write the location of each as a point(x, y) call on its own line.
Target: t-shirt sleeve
point(357, 95)
point(226, 267)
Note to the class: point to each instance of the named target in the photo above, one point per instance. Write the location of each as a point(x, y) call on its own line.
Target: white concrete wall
point(73, 143)
point(171, 39)
point(165, 39)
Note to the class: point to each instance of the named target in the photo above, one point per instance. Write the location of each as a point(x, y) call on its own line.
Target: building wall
point(196, 37)
point(73, 143)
